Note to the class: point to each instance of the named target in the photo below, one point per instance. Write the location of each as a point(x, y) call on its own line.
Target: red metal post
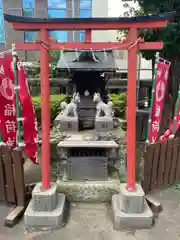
point(45, 110)
point(131, 112)
point(88, 36)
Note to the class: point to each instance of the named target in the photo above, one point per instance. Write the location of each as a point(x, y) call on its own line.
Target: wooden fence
point(141, 124)
point(12, 186)
point(161, 165)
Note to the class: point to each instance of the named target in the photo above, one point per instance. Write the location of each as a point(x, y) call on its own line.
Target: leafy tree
point(54, 57)
point(170, 36)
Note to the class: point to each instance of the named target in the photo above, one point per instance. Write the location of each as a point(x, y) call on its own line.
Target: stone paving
point(93, 222)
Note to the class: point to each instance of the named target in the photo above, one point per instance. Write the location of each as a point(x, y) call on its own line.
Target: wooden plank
point(14, 216)
point(155, 166)
point(8, 168)
point(19, 176)
point(168, 161)
point(148, 163)
point(145, 127)
point(154, 204)
point(2, 180)
point(139, 127)
point(161, 166)
point(175, 151)
point(177, 174)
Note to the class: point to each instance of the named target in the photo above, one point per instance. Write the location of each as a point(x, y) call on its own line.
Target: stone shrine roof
point(87, 61)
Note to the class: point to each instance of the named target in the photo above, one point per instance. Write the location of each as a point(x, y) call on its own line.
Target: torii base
point(46, 208)
point(130, 210)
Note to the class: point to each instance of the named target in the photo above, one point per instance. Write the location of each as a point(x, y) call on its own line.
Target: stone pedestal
point(46, 208)
point(104, 123)
point(67, 123)
point(130, 209)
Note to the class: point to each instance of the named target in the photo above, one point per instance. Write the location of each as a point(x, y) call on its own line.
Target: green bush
point(55, 101)
point(119, 104)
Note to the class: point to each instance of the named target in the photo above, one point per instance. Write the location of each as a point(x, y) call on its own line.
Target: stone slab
point(37, 219)
point(90, 168)
point(91, 191)
point(132, 202)
point(89, 144)
point(44, 200)
point(123, 220)
point(67, 123)
point(104, 123)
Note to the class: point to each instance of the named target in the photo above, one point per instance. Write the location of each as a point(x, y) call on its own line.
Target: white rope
point(77, 55)
point(94, 57)
point(62, 56)
point(105, 55)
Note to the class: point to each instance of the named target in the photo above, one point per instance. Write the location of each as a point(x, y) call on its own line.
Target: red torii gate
point(132, 44)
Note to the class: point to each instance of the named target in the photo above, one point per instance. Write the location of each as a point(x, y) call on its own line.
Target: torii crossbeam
point(132, 44)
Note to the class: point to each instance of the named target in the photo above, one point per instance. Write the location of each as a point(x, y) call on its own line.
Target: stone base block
point(91, 191)
point(122, 220)
point(44, 200)
point(67, 124)
point(37, 219)
point(132, 202)
point(104, 123)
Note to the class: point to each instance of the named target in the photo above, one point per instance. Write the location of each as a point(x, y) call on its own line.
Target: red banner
point(158, 100)
point(8, 108)
point(176, 122)
point(29, 123)
point(8, 121)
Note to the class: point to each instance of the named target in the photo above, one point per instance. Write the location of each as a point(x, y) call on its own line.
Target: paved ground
point(92, 222)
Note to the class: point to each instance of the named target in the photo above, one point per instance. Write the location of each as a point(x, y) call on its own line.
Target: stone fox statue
point(101, 107)
point(71, 108)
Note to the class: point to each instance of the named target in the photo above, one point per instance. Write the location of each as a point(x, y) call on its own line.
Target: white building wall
point(104, 8)
point(100, 9)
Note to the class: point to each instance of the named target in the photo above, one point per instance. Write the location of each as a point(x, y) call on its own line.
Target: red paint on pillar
point(131, 112)
point(88, 37)
point(45, 111)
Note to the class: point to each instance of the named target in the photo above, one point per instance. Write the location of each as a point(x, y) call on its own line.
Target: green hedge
point(55, 101)
point(119, 103)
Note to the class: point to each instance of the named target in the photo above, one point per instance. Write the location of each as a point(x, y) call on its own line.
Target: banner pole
point(1, 140)
point(18, 111)
point(152, 95)
point(176, 113)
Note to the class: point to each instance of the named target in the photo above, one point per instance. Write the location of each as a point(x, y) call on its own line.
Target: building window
point(57, 9)
point(59, 36)
point(57, 4)
point(28, 4)
point(85, 8)
point(85, 13)
point(28, 11)
point(2, 32)
point(82, 36)
point(29, 37)
point(59, 13)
